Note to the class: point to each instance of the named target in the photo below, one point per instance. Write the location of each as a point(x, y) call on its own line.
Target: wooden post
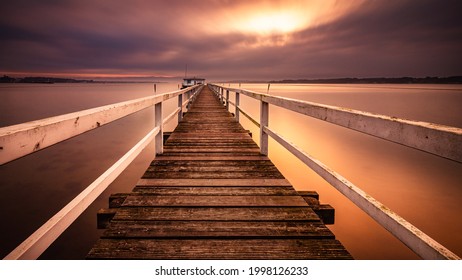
point(158, 123)
point(236, 112)
point(227, 100)
point(180, 105)
point(264, 119)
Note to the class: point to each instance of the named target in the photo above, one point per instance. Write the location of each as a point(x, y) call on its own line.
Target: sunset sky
point(230, 40)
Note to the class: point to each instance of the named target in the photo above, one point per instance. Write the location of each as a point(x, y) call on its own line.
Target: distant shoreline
point(51, 80)
point(401, 80)
point(378, 80)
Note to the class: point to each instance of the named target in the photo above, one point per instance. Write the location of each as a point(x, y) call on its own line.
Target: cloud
point(354, 38)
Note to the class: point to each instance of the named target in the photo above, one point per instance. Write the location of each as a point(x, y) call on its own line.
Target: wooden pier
point(211, 194)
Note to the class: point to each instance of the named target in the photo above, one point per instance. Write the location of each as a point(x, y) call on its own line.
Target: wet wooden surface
point(212, 195)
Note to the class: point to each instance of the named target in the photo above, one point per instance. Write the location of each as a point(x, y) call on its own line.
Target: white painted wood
point(264, 119)
point(415, 239)
point(180, 106)
point(159, 123)
point(171, 116)
point(253, 120)
point(42, 238)
point(440, 140)
point(22, 139)
point(237, 110)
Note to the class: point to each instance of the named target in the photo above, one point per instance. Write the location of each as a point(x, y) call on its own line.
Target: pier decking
point(211, 194)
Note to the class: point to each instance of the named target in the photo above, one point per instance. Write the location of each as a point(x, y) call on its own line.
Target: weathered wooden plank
point(211, 175)
point(312, 194)
point(212, 158)
point(218, 249)
point(170, 149)
point(213, 168)
point(214, 182)
point(203, 229)
point(217, 144)
point(214, 154)
point(211, 163)
point(214, 190)
point(116, 200)
point(216, 214)
point(104, 216)
point(210, 135)
point(210, 141)
point(213, 200)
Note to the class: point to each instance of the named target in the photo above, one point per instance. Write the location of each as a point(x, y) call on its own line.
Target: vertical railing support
point(158, 123)
point(180, 105)
point(227, 100)
point(264, 119)
point(236, 112)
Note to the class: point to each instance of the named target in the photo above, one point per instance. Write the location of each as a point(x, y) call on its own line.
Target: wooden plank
point(210, 135)
point(216, 214)
point(213, 200)
point(104, 216)
point(212, 158)
point(215, 182)
point(204, 229)
point(214, 154)
point(214, 168)
point(116, 200)
point(218, 249)
point(214, 190)
point(217, 144)
point(211, 175)
point(170, 149)
point(210, 163)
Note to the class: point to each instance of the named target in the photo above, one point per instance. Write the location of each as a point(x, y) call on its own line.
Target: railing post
point(158, 123)
point(236, 112)
point(264, 119)
point(227, 100)
point(221, 95)
point(180, 104)
point(188, 96)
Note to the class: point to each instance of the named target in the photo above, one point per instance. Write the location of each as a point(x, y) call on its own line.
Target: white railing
point(22, 139)
point(440, 140)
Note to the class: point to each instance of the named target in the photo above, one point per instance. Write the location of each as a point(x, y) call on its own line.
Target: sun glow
point(276, 23)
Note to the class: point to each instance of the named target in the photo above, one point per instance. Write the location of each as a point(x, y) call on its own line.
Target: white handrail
point(440, 140)
point(43, 237)
point(22, 139)
point(415, 239)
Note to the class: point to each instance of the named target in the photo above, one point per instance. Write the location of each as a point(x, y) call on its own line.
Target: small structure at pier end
point(187, 82)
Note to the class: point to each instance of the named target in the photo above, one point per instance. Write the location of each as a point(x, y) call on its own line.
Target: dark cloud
point(375, 38)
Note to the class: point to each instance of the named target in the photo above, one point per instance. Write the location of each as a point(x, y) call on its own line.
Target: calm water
point(424, 189)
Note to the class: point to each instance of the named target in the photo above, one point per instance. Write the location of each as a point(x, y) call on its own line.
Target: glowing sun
point(275, 23)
